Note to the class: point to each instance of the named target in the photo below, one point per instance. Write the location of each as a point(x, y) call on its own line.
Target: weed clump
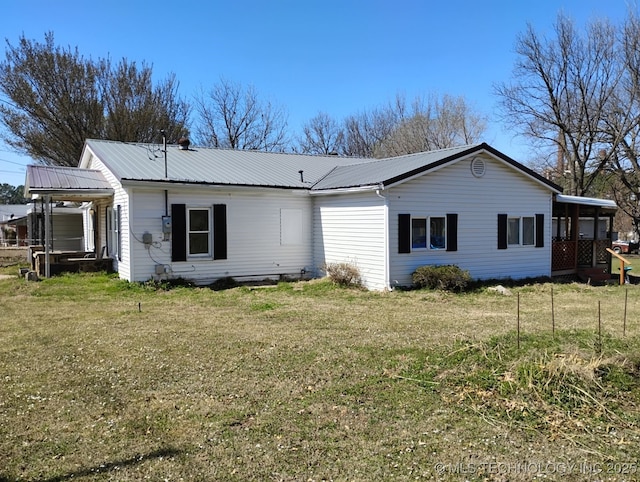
point(343, 274)
point(445, 278)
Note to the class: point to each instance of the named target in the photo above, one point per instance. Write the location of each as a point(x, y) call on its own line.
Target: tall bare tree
point(322, 135)
point(431, 123)
point(365, 131)
point(561, 92)
point(54, 99)
point(401, 127)
point(234, 117)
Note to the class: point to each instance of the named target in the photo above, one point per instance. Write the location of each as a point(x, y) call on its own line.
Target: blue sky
point(335, 56)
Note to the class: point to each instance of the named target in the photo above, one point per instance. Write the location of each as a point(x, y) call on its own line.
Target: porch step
point(594, 275)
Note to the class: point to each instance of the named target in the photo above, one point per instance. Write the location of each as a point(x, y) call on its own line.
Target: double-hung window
point(521, 231)
point(113, 217)
point(428, 233)
point(199, 232)
point(436, 232)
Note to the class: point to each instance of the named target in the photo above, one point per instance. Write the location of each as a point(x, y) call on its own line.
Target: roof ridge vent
point(478, 167)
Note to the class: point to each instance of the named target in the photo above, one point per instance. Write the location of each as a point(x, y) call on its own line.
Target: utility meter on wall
point(166, 224)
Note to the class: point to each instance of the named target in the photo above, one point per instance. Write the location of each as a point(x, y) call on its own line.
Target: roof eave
point(346, 190)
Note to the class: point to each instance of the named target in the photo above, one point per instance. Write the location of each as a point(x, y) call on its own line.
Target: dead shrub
point(343, 274)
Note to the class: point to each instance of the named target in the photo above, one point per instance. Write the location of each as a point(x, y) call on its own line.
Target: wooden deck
point(69, 262)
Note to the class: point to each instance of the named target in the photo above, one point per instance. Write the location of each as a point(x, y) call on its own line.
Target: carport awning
point(605, 205)
point(66, 183)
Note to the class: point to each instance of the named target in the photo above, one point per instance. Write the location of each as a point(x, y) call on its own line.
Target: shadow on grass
point(107, 466)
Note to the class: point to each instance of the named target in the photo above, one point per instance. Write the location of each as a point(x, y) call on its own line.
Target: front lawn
point(106, 380)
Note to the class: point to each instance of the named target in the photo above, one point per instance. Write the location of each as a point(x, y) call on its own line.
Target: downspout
point(386, 236)
point(166, 173)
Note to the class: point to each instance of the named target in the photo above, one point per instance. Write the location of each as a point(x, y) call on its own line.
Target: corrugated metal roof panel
point(385, 170)
point(46, 178)
point(145, 162)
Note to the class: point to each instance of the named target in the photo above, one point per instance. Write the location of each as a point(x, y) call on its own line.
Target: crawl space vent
point(478, 167)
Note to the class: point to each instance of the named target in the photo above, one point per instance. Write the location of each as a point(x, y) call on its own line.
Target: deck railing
point(570, 255)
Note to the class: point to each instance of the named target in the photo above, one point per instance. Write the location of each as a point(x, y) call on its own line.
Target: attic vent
point(478, 167)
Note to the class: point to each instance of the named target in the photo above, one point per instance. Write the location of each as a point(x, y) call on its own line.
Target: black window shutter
point(452, 232)
point(404, 233)
point(178, 232)
point(219, 231)
point(539, 230)
point(502, 231)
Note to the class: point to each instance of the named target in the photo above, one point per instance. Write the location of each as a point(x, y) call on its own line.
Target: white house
point(202, 214)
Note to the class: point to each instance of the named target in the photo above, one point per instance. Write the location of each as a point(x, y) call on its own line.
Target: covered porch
point(47, 186)
point(582, 232)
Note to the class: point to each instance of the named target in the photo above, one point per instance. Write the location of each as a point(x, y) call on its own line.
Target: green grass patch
point(108, 380)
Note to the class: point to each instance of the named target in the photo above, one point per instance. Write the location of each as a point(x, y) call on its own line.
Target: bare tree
point(366, 130)
point(561, 93)
point(431, 123)
point(234, 117)
point(135, 108)
point(322, 135)
point(56, 99)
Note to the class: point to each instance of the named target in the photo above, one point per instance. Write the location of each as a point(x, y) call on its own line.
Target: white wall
point(477, 201)
point(121, 198)
point(254, 245)
point(352, 229)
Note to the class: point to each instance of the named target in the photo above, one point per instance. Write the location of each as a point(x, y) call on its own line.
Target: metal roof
point(146, 162)
point(201, 165)
point(587, 201)
point(63, 182)
point(390, 170)
point(13, 211)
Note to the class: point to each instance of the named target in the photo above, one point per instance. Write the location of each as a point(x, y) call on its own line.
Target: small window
point(114, 234)
point(513, 231)
point(437, 233)
point(528, 231)
point(198, 232)
point(418, 233)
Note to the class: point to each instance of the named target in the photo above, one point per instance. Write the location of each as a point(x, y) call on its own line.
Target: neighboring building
point(204, 214)
point(12, 233)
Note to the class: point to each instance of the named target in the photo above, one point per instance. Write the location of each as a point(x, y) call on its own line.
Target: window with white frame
point(521, 231)
point(199, 232)
point(428, 233)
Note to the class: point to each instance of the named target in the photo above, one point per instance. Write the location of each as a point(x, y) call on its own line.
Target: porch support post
point(594, 246)
point(47, 235)
point(575, 232)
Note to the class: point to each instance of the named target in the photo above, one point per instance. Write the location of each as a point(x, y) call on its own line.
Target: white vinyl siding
point(121, 260)
point(351, 228)
point(477, 201)
point(254, 247)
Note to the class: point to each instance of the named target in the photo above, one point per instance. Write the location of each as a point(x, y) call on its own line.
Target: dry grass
point(104, 380)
